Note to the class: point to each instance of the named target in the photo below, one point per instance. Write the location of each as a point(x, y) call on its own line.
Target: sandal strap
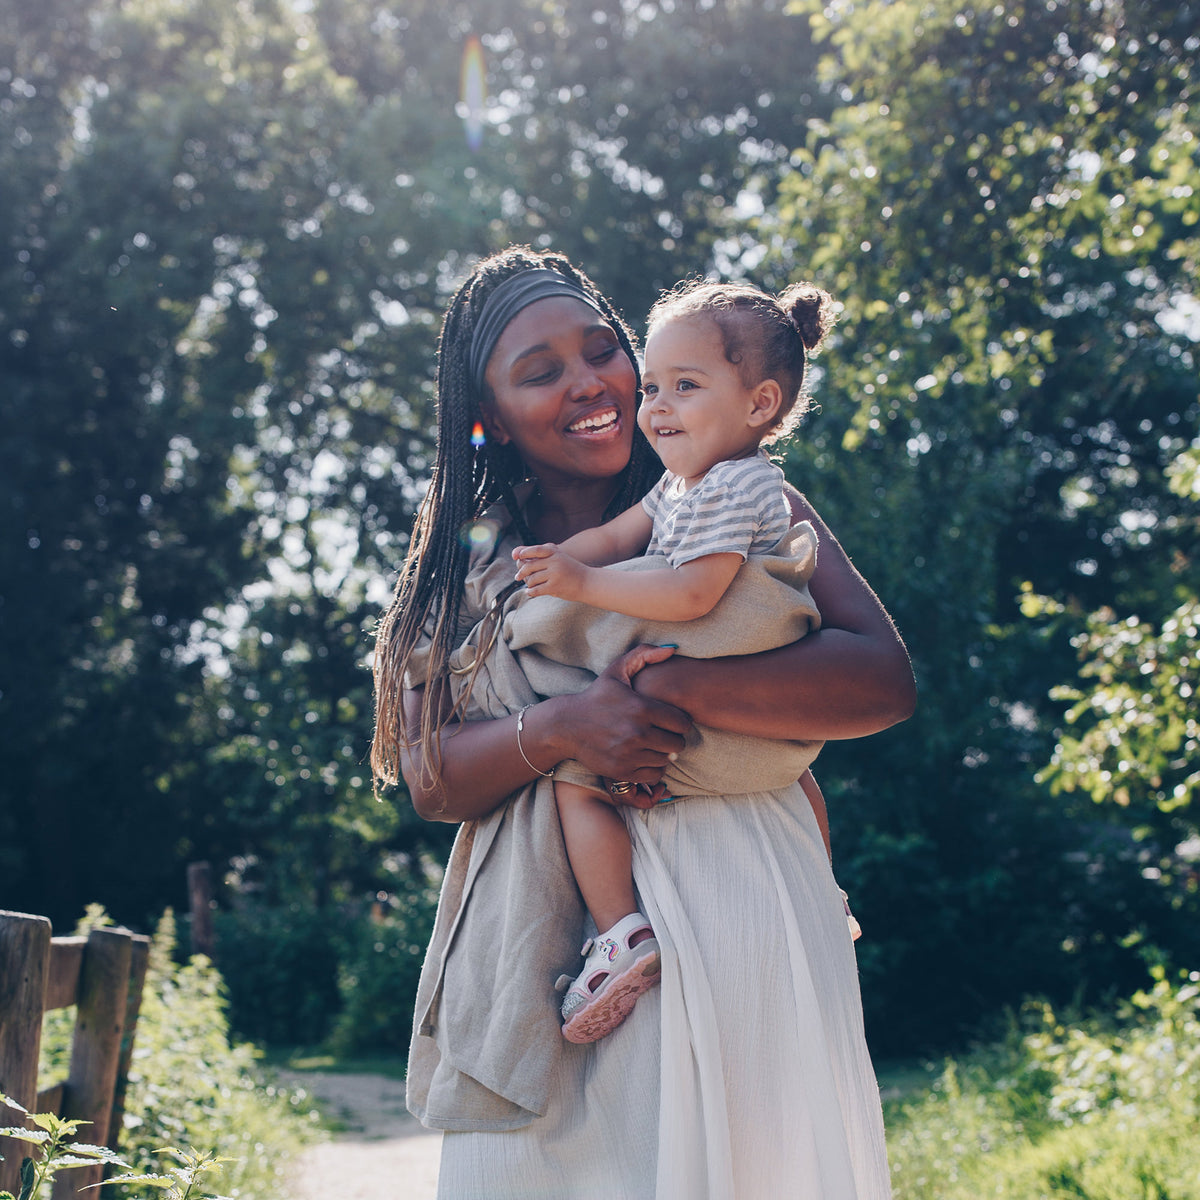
point(623, 930)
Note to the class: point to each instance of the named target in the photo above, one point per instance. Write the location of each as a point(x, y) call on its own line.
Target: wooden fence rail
point(102, 975)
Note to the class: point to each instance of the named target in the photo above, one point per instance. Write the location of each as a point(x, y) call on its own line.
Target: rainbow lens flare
point(477, 435)
point(478, 533)
point(472, 90)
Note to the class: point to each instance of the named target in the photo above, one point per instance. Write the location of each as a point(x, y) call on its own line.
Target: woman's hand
point(620, 734)
point(849, 679)
point(608, 727)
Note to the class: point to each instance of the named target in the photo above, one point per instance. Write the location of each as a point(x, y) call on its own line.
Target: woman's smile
point(606, 421)
point(563, 392)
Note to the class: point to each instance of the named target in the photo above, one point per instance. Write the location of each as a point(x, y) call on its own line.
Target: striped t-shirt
point(737, 508)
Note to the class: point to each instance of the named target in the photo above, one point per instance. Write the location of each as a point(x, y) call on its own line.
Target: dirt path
point(381, 1153)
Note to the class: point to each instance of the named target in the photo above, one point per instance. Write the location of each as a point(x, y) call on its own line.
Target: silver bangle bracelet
point(521, 726)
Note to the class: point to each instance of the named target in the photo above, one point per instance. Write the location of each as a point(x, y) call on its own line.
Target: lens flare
point(479, 533)
point(477, 435)
point(472, 90)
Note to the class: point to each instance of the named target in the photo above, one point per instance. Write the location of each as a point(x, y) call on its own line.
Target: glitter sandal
point(614, 975)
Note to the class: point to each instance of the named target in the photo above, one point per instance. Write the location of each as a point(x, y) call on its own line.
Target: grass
point(308, 1059)
point(1106, 1108)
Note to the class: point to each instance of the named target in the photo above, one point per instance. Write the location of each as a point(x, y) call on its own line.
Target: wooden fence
point(102, 975)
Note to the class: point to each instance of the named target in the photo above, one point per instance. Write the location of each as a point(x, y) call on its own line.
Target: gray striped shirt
point(737, 508)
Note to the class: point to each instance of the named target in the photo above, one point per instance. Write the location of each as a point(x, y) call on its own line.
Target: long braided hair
point(464, 482)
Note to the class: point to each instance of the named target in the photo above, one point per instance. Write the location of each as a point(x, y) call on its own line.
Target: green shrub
point(281, 968)
point(1107, 1109)
point(379, 978)
point(189, 1085)
point(341, 977)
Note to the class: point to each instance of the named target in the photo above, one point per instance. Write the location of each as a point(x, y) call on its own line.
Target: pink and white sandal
point(615, 973)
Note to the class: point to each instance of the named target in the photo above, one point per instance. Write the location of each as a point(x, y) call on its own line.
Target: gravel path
point(381, 1153)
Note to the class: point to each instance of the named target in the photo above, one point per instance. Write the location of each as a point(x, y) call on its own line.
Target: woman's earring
point(477, 437)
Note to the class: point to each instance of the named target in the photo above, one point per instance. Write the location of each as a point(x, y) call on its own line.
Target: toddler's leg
point(623, 960)
point(600, 853)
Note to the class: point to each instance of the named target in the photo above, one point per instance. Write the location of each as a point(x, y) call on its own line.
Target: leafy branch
point(55, 1149)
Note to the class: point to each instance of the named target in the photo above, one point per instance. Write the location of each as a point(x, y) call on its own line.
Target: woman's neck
point(558, 511)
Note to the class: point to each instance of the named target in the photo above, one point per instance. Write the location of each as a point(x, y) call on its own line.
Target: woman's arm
point(607, 727)
point(851, 678)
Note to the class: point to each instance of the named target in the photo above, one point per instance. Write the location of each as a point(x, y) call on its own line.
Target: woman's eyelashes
point(544, 374)
point(541, 376)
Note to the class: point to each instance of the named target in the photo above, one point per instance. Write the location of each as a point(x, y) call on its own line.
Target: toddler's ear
point(765, 403)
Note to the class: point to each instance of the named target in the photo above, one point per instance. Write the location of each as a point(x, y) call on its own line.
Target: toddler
point(724, 371)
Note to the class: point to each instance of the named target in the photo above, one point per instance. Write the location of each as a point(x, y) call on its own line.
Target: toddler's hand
point(548, 571)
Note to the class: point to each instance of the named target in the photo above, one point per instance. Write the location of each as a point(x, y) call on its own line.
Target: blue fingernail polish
point(666, 800)
point(669, 646)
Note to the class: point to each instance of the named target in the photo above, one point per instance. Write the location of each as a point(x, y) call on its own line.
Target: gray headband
point(515, 293)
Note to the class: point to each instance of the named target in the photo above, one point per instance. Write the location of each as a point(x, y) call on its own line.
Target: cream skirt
point(745, 1076)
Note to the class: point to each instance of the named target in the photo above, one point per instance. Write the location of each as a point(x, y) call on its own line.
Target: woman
point(745, 1074)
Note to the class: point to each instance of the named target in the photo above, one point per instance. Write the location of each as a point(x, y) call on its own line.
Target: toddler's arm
point(663, 594)
point(625, 536)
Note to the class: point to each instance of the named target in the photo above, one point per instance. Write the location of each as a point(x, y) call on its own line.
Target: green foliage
point(378, 979)
point(281, 968)
point(1131, 733)
point(54, 1149)
point(343, 977)
point(189, 1085)
point(1104, 1109)
point(1000, 199)
point(1134, 737)
point(183, 1180)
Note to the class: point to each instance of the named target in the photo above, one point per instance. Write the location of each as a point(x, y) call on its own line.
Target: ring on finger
point(620, 787)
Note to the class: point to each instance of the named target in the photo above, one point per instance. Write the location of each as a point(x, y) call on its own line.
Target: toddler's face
point(695, 409)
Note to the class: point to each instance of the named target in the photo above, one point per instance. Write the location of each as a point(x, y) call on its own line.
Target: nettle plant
point(55, 1149)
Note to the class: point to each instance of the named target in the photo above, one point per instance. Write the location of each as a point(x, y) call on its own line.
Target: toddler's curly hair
point(763, 336)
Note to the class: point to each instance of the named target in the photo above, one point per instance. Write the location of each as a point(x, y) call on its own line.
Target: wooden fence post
point(96, 1050)
point(140, 960)
point(203, 938)
point(24, 957)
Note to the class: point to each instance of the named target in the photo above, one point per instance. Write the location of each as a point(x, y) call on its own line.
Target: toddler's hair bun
point(811, 310)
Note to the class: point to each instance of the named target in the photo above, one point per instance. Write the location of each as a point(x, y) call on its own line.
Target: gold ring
point(619, 788)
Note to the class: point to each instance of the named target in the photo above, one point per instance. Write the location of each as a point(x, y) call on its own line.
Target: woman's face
point(563, 392)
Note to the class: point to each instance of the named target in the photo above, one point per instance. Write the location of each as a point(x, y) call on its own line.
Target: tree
point(117, 523)
point(234, 229)
point(1003, 202)
point(1131, 738)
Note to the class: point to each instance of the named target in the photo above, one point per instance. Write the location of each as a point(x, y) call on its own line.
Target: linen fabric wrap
point(487, 1029)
